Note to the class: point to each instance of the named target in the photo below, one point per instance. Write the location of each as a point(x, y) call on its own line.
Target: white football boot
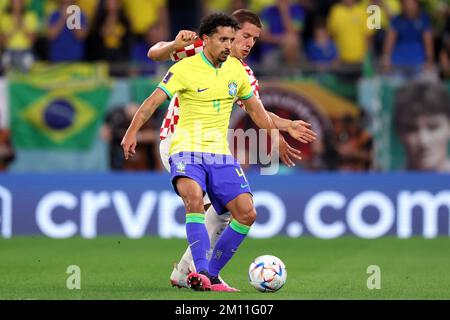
point(178, 278)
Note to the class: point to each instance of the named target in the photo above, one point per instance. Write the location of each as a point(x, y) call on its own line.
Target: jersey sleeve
point(188, 51)
point(173, 81)
point(245, 89)
point(254, 83)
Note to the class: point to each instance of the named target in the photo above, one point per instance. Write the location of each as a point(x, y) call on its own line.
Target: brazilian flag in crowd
point(58, 107)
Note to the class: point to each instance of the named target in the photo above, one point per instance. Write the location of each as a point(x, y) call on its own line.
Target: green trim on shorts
point(239, 227)
point(195, 218)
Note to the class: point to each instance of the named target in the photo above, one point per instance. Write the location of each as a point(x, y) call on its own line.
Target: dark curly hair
point(209, 24)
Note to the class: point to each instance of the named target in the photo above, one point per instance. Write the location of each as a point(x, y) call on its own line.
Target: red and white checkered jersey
point(173, 112)
point(188, 51)
point(253, 82)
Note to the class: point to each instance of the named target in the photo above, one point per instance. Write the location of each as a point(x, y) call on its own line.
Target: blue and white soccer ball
point(267, 273)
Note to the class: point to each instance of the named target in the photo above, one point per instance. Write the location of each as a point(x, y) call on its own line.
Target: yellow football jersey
point(206, 95)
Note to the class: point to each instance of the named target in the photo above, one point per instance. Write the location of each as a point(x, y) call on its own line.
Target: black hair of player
point(209, 25)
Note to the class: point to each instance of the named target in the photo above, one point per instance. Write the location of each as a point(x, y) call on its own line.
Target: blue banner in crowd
point(136, 205)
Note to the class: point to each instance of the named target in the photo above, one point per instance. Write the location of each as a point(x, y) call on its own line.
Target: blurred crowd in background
point(299, 37)
point(414, 35)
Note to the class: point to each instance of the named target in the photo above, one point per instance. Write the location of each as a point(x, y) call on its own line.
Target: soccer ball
point(267, 273)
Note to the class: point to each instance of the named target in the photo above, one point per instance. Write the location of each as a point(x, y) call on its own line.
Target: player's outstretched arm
point(162, 50)
point(298, 129)
point(262, 119)
point(141, 116)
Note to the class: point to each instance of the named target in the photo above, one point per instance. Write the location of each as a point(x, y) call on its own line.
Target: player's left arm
point(261, 118)
point(298, 129)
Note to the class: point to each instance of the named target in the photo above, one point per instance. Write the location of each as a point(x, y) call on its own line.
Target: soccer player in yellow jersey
point(187, 44)
point(207, 85)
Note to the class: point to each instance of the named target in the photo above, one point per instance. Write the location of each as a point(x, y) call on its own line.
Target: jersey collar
point(204, 58)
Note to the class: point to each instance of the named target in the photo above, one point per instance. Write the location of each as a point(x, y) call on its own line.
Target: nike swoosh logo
point(193, 243)
point(201, 90)
point(244, 186)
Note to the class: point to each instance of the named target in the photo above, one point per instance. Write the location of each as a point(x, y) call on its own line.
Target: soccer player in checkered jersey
point(187, 44)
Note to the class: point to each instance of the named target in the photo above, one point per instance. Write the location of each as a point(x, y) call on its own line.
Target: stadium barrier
point(321, 205)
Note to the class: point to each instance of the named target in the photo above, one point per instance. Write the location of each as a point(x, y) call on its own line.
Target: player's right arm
point(141, 116)
point(162, 50)
point(172, 83)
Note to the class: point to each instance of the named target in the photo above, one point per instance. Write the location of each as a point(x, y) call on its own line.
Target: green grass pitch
point(121, 268)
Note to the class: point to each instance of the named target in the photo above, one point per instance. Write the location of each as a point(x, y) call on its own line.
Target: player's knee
point(194, 205)
point(248, 217)
point(193, 202)
point(252, 216)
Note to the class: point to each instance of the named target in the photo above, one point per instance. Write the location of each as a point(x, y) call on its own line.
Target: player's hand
point(128, 144)
point(287, 153)
point(301, 131)
point(185, 38)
